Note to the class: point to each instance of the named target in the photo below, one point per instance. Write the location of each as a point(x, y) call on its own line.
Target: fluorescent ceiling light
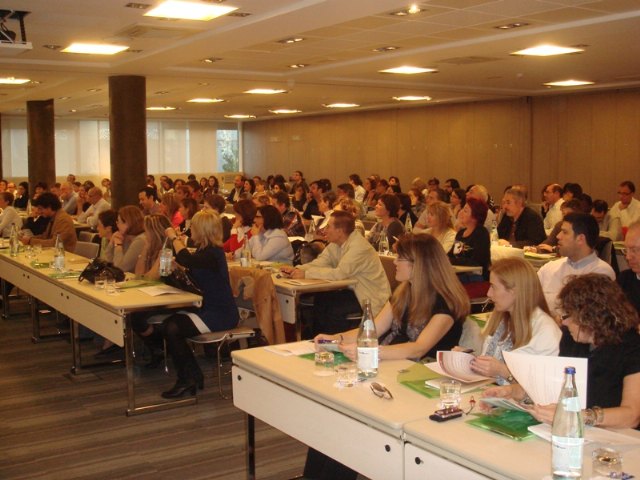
point(205, 100)
point(412, 98)
point(265, 91)
point(569, 83)
point(239, 116)
point(189, 10)
point(161, 109)
point(547, 51)
point(340, 105)
point(13, 81)
point(285, 110)
point(94, 48)
point(408, 70)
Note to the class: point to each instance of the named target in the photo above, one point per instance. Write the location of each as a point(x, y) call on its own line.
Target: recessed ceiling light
point(189, 10)
point(52, 47)
point(161, 109)
point(211, 59)
point(388, 48)
point(285, 110)
point(298, 65)
point(340, 105)
point(161, 92)
point(13, 81)
point(408, 70)
point(239, 116)
point(205, 100)
point(509, 26)
point(291, 40)
point(547, 51)
point(73, 110)
point(94, 48)
point(239, 14)
point(569, 83)
point(94, 90)
point(412, 98)
point(64, 98)
point(139, 6)
point(412, 10)
point(265, 91)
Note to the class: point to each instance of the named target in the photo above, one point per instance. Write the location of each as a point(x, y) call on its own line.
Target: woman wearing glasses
point(601, 325)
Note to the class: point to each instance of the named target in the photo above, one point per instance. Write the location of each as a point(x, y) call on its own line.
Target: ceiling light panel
point(182, 10)
point(13, 81)
point(569, 83)
point(408, 70)
point(205, 100)
point(95, 48)
point(265, 91)
point(547, 51)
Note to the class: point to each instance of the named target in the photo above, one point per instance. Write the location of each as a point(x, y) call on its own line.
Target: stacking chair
point(87, 249)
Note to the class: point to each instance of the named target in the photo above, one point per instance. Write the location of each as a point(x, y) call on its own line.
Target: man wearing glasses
point(629, 280)
point(628, 208)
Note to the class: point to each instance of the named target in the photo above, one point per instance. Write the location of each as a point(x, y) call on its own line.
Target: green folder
point(510, 423)
point(414, 378)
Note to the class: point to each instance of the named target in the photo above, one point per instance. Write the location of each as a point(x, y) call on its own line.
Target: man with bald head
point(520, 226)
point(98, 205)
point(629, 280)
point(69, 198)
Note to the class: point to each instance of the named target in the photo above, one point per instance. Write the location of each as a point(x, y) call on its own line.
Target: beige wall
point(591, 138)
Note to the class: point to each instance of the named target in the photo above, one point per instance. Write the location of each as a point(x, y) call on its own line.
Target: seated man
point(520, 226)
point(60, 223)
point(610, 227)
point(576, 243)
point(9, 215)
point(348, 255)
point(628, 208)
point(629, 280)
point(553, 199)
point(551, 242)
point(98, 205)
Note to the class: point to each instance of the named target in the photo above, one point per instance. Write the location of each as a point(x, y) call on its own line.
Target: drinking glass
point(324, 364)
point(100, 280)
point(607, 461)
point(450, 394)
point(347, 374)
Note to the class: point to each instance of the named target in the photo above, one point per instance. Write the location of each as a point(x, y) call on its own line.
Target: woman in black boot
point(208, 267)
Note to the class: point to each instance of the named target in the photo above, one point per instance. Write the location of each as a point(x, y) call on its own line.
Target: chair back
point(87, 249)
point(87, 236)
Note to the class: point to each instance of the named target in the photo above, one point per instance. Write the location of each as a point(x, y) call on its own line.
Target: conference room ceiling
point(459, 38)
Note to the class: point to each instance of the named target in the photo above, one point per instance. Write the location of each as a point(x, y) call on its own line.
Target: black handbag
point(181, 278)
point(98, 266)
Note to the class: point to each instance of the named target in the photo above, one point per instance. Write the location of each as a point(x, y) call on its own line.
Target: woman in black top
point(472, 246)
point(599, 324)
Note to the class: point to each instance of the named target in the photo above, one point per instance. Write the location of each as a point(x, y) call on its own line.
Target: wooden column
point(41, 142)
point(128, 138)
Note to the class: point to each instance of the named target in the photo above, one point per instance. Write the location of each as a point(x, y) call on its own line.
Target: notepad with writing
point(161, 290)
point(456, 365)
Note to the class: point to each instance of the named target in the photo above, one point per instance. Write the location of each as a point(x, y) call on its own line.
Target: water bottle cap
point(570, 370)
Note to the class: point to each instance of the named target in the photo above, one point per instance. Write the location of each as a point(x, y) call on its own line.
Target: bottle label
point(571, 404)
point(566, 456)
point(367, 358)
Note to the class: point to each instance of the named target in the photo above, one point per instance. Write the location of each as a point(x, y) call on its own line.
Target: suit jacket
point(61, 224)
point(529, 228)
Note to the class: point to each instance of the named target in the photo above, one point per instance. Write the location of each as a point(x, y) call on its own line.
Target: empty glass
point(324, 364)
point(450, 394)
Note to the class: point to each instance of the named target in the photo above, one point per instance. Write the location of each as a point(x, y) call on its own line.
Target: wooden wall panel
point(593, 139)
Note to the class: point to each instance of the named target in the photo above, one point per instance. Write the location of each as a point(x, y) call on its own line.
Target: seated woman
point(217, 202)
point(425, 314)
point(245, 213)
point(268, 240)
point(601, 325)
point(349, 205)
point(127, 243)
point(438, 224)
point(458, 199)
point(170, 207)
point(107, 226)
point(148, 264)
point(472, 245)
point(218, 312)
point(188, 208)
point(520, 320)
point(387, 212)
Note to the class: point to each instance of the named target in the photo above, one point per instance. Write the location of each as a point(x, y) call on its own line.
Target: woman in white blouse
point(268, 241)
point(520, 320)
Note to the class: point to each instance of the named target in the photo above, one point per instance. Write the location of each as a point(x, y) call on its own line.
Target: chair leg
point(219, 361)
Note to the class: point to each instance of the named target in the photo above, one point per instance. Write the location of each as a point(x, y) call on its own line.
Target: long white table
point(107, 315)
point(382, 439)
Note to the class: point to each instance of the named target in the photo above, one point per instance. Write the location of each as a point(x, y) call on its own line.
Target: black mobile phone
point(445, 414)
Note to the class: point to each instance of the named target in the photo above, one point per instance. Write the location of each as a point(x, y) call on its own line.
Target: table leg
point(251, 447)
point(76, 353)
point(5, 298)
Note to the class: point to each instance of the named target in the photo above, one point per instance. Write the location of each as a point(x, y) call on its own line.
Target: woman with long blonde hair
point(149, 261)
point(520, 320)
point(425, 313)
point(437, 220)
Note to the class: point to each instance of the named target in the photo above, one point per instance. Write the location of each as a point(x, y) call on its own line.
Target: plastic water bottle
point(383, 243)
point(367, 344)
point(245, 253)
point(58, 255)
point(567, 431)
point(166, 257)
point(494, 233)
point(408, 226)
point(14, 243)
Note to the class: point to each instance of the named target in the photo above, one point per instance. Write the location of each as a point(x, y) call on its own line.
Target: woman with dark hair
point(170, 207)
point(268, 241)
point(395, 181)
point(188, 208)
point(107, 226)
point(370, 197)
point(472, 245)
point(22, 196)
point(358, 190)
point(600, 324)
point(245, 213)
point(249, 186)
point(386, 211)
point(457, 200)
point(299, 200)
point(212, 186)
point(39, 189)
point(418, 203)
point(405, 209)
point(425, 314)
point(217, 202)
